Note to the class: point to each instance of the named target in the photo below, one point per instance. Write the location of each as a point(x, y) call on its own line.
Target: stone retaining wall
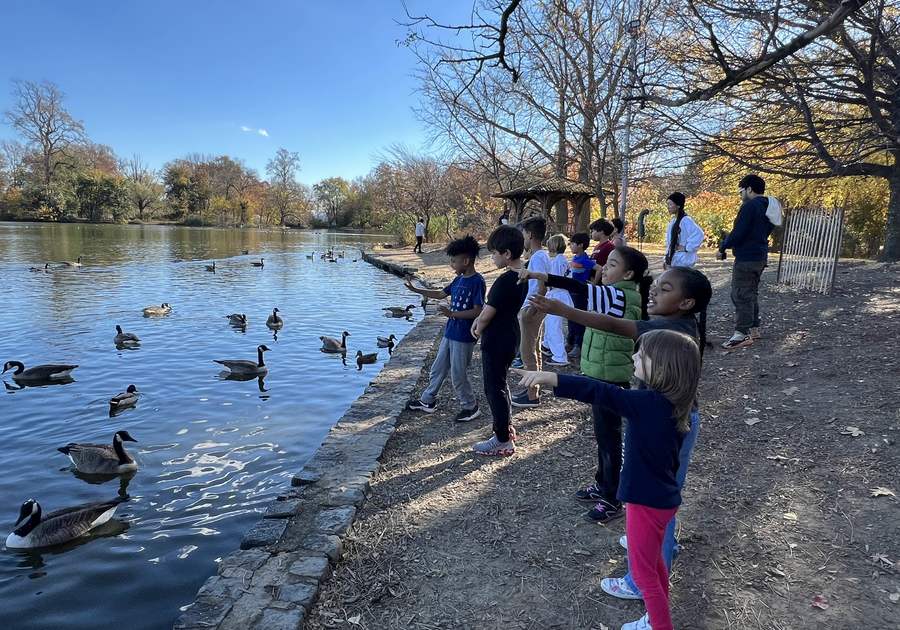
point(271, 582)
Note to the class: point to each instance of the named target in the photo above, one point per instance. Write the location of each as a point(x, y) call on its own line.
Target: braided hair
point(678, 199)
point(695, 285)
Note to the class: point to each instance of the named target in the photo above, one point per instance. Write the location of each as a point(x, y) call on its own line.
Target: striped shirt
point(606, 299)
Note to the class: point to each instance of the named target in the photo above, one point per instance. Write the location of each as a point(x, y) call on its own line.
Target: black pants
point(576, 331)
point(496, 358)
point(418, 247)
point(745, 293)
point(608, 433)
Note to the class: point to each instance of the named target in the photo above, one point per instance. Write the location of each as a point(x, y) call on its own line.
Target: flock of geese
point(34, 529)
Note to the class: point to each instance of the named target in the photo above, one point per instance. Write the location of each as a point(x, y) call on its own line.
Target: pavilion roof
point(557, 185)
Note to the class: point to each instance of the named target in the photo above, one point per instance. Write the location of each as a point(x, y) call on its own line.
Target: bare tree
point(145, 191)
point(284, 190)
point(39, 116)
point(13, 156)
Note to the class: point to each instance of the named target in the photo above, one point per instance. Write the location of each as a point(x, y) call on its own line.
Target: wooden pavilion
point(548, 192)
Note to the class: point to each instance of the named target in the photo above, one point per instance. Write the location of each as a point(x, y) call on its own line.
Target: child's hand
point(547, 305)
point(476, 328)
point(530, 379)
point(444, 310)
point(524, 275)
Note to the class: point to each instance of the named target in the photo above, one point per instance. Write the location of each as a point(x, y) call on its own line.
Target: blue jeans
point(684, 458)
point(453, 358)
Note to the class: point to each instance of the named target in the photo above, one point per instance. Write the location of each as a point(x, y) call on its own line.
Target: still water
point(212, 452)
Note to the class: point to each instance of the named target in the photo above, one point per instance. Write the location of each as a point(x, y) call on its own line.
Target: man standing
point(749, 242)
point(420, 234)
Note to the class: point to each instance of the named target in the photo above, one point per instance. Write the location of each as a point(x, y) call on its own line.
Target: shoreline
point(272, 581)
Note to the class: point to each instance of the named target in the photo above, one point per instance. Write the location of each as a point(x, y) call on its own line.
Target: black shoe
point(589, 494)
point(420, 405)
point(467, 415)
point(522, 400)
point(604, 512)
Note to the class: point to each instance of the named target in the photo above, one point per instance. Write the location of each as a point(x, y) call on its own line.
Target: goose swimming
point(397, 311)
point(237, 319)
point(261, 263)
point(365, 359)
point(123, 400)
point(44, 269)
point(57, 527)
point(275, 320)
point(102, 459)
point(49, 372)
point(330, 344)
point(125, 338)
point(70, 263)
point(158, 311)
point(241, 366)
point(211, 267)
point(384, 342)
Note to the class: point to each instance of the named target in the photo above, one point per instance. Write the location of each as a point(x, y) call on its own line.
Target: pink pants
point(645, 527)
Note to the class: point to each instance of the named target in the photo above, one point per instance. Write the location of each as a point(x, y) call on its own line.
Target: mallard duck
point(102, 459)
point(241, 366)
point(397, 311)
point(49, 372)
point(69, 263)
point(237, 319)
point(44, 269)
point(211, 267)
point(33, 530)
point(365, 359)
point(275, 321)
point(261, 263)
point(158, 311)
point(123, 400)
point(330, 344)
point(384, 342)
point(124, 338)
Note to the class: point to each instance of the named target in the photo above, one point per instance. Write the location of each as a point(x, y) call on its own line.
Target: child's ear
point(629, 275)
point(687, 305)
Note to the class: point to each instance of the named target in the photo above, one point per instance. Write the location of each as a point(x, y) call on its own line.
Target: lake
point(212, 452)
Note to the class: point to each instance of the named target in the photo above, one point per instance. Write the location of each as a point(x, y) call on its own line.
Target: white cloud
point(263, 132)
point(246, 128)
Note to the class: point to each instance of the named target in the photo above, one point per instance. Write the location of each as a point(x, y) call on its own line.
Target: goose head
point(19, 367)
point(124, 436)
point(118, 329)
point(29, 517)
point(275, 312)
point(410, 307)
point(345, 334)
point(262, 348)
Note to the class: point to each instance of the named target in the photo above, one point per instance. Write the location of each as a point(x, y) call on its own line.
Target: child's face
point(576, 248)
point(597, 235)
point(672, 206)
point(615, 270)
point(501, 259)
point(642, 366)
point(667, 298)
point(459, 263)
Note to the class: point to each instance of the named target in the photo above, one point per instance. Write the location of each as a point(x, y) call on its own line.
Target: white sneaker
point(618, 587)
point(623, 542)
point(737, 340)
point(641, 624)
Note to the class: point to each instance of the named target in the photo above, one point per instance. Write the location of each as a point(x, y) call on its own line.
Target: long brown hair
point(674, 370)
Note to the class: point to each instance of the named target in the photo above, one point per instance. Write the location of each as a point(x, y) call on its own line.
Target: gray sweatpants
point(745, 294)
point(453, 357)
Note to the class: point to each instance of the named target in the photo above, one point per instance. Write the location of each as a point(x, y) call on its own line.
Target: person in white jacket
point(683, 236)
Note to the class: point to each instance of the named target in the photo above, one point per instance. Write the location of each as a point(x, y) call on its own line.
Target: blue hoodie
point(749, 238)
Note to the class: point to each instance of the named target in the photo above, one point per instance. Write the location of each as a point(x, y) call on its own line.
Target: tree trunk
point(892, 229)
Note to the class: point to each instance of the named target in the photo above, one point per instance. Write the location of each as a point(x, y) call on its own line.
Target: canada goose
point(124, 338)
point(241, 366)
point(102, 459)
point(310, 256)
point(69, 263)
point(158, 311)
point(57, 527)
point(237, 319)
point(330, 344)
point(49, 372)
point(245, 252)
point(211, 267)
point(384, 342)
point(396, 311)
point(365, 359)
point(341, 254)
point(261, 263)
point(44, 269)
point(275, 321)
point(123, 400)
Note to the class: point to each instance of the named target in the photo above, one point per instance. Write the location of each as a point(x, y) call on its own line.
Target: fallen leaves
point(790, 391)
point(851, 430)
point(881, 491)
point(751, 421)
point(820, 602)
point(791, 516)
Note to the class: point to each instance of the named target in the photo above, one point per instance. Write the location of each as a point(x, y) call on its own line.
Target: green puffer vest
point(607, 356)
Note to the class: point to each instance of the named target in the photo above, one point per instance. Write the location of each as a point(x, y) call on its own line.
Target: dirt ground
point(790, 519)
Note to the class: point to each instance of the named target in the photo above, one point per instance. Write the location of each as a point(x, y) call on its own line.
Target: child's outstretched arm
point(435, 294)
point(615, 325)
point(483, 320)
point(529, 379)
point(594, 392)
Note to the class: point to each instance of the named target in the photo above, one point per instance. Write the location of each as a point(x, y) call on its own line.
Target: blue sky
point(163, 78)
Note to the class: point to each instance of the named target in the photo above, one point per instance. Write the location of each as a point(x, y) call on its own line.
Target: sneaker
point(557, 363)
point(754, 333)
point(523, 401)
point(641, 624)
point(547, 352)
point(618, 587)
point(467, 415)
point(623, 542)
point(517, 363)
point(575, 353)
point(604, 512)
point(419, 405)
point(493, 446)
point(737, 340)
point(589, 494)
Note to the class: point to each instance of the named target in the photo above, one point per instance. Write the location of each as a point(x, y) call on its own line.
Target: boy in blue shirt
point(466, 294)
point(582, 266)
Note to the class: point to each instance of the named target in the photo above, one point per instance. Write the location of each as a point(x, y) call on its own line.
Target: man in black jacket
point(749, 241)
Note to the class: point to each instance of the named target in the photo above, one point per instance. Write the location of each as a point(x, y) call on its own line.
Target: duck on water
point(34, 530)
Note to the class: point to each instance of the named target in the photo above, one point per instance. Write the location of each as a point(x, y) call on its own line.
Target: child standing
point(658, 419)
point(601, 231)
point(683, 236)
point(582, 267)
point(455, 352)
point(553, 324)
point(498, 328)
point(531, 320)
point(606, 356)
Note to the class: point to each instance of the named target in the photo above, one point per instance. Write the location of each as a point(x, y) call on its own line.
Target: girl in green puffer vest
point(607, 357)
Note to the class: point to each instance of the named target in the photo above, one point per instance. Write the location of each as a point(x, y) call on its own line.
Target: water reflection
point(19, 385)
point(232, 376)
point(100, 479)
